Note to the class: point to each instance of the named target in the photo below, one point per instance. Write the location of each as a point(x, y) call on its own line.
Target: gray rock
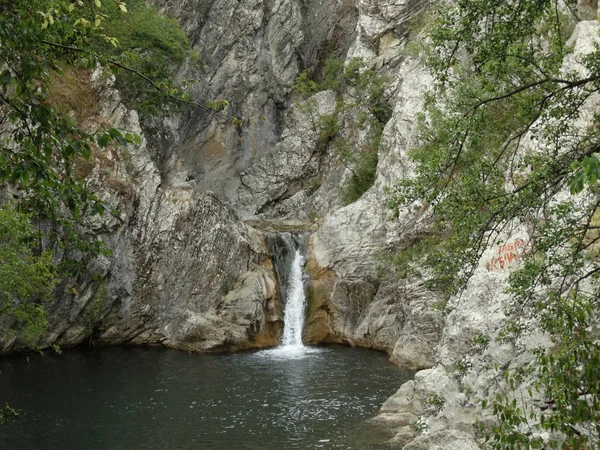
point(187, 273)
point(443, 440)
point(350, 245)
point(403, 436)
point(292, 166)
point(250, 54)
point(184, 272)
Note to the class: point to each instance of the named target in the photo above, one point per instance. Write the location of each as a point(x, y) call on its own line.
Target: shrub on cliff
point(27, 279)
point(150, 43)
point(364, 106)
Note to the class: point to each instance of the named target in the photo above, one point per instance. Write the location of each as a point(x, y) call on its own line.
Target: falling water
point(287, 253)
point(294, 305)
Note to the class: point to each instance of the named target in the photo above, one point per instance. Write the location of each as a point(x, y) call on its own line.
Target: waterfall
point(287, 252)
point(295, 303)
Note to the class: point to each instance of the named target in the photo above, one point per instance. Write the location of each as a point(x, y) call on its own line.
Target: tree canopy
point(503, 145)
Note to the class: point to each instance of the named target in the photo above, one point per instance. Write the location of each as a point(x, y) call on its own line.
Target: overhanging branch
point(131, 70)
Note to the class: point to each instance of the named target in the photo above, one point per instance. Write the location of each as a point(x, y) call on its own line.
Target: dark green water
point(135, 398)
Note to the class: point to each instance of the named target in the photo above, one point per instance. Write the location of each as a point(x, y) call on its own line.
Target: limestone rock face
point(348, 303)
point(250, 54)
point(470, 358)
point(202, 280)
point(273, 186)
point(184, 271)
point(270, 184)
point(468, 365)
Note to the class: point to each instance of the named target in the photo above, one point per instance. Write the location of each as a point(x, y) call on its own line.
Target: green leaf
point(577, 182)
point(85, 150)
point(115, 133)
point(99, 208)
point(104, 139)
point(5, 77)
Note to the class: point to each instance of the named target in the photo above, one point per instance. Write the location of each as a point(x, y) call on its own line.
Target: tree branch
point(135, 72)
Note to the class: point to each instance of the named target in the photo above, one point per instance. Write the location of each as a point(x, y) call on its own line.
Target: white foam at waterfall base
point(295, 304)
point(290, 352)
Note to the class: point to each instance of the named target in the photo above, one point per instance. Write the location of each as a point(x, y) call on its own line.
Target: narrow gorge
point(260, 221)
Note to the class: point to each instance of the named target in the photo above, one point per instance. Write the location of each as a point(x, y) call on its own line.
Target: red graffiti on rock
point(507, 254)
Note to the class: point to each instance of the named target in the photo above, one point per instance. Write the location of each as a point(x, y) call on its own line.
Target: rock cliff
point(250, 54)
point(184, 271)
point(470, 357)
point(187, 272)
point(351, 300)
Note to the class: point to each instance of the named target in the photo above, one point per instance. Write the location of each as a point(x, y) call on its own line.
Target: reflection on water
point(135, 398)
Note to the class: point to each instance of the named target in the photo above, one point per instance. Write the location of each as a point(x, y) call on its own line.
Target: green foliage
point(435, 403)
point(8, 414)
point(480, 341)
point(367, 88)
point(146, 30)
point(329, 128)
point(333, 75)
point(93, 316)
point(46, 43)
point(218, 105)
point(151, 44)
point(38, 151)
point(363, 166)
point(463, 366)
point(361, 87)
point(26, 279)
point(421, 426)
point(43, 44)
point(304, 86)
point(585, 172)
point(499, 141)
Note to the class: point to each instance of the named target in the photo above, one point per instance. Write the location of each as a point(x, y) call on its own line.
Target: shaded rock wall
point(250, 54)
point(276, 185)
point(184, 271)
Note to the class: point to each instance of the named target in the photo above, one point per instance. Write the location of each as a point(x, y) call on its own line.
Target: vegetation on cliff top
point(501, 147)
point(151, 44)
